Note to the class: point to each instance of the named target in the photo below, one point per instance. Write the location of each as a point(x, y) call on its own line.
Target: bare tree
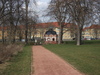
point(78, 12)
point(13, 18)
point(17, 16)
point(26, 25)
point(12, 14)
point(81, 12)
point(31, 26)
point(96, 7)
point(3, 7)
point(58, 11)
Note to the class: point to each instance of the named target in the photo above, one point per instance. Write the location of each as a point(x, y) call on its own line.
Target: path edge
point(32, 61)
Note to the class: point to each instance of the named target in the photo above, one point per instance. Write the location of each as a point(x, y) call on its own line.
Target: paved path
point(47, 63)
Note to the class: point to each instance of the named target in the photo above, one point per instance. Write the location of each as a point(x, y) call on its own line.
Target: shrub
point(8, 51)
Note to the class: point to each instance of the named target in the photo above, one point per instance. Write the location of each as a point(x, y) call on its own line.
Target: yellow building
point(92, 32)
point(41, 28)
point(5, 33)
point(69, 31)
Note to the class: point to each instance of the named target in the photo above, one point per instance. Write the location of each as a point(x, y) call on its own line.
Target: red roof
point(19, 26)
point(86, 28)
point(92, 27)
point(4, 28)
point(51, 24)
point(95, 26)
point(47, 25)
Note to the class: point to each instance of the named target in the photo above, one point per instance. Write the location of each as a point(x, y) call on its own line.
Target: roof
point(86, 28)
point(50, 31)
point(3, 27)
point(95, 26)
point(19, 26)
point(55, 24)
point(51, 24)
point(45, 25)
point(92, 27)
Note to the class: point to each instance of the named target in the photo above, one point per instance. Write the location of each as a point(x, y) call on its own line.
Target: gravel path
point(47, 63)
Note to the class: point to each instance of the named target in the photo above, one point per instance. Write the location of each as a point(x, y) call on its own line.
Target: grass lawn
point(20, 64)
point(85, 58)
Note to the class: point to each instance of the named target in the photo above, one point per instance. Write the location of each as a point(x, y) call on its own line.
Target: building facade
point(43, 27)
point(40, 29)
point(50, 37)
point(92, 32)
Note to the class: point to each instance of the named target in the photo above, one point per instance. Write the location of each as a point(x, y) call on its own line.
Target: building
point(92, 32)
point(40, 30)
point(5, 33)
point(50, 37)
point(68, 30)
point(19, 33)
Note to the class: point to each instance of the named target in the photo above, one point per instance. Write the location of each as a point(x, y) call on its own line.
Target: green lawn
point(20, 64)
point(85, 58)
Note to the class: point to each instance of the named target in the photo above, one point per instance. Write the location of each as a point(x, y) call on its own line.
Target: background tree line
point(13, 15)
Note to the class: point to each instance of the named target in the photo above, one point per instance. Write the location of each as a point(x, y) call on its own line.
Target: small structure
point(50, 37)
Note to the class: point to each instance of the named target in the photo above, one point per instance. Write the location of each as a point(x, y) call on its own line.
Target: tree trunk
point(3, 34)
point(30, 36)
point(20, 36)
point(11, 23)
point(59, 37)
point(26, 27)
point(3, 27)
point(79, 36)
point(60, 34)
point(26, 40)
point(14, 35)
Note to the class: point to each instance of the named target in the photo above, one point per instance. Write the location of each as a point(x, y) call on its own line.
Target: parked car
point(88, 38)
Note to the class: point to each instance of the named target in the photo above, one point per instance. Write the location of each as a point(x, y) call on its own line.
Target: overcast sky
point(42, 6)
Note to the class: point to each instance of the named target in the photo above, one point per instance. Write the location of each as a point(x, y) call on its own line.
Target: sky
point(42, 4)
point(41, 7)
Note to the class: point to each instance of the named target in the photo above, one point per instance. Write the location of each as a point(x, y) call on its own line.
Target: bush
point(8, 51)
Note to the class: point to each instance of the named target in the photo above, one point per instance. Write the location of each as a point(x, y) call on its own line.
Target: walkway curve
point(47, 63)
